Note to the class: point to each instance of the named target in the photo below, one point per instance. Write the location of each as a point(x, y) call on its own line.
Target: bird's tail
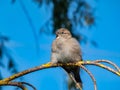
point(74, 75)
point(77, 77)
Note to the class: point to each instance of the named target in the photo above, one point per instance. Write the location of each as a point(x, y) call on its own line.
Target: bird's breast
point(65, 54)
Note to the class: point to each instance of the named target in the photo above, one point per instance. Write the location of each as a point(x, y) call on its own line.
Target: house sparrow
point(66, 49)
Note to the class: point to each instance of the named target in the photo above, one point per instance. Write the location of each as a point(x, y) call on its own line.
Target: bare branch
point(92, 77)
point(7, 81)
point(44, 66)
point(100, 65)
point(77, 85)
point(17, 84)
point(107, 61)
point(31, 24)
point(29, 85)
point(108, 68)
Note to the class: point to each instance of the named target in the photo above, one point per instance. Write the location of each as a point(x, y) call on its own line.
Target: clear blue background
point(14, 24)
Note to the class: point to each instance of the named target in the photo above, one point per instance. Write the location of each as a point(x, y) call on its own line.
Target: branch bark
point(81, 64)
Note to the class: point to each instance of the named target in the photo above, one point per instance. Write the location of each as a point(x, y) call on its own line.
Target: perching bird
point(66, 49)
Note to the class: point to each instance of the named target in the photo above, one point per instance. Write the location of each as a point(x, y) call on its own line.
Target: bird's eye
point(62, 32)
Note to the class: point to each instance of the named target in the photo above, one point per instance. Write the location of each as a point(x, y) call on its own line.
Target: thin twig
point(29, 85)
point(77, 85)
point(107, 61)
point(108, 68)
point(92, 77)
point(17, 84)
point(100, 65)
point(31, 24)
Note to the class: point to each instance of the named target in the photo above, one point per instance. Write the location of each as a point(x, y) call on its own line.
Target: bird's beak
point(57, 36)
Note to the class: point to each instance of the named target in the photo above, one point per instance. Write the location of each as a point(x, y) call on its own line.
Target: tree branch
point(17, 84)
point(29, 85)
point(101, 65)
point(7, 81)
point(109, 62)
point(92, 77)
point(31, 24)
point(77, 85)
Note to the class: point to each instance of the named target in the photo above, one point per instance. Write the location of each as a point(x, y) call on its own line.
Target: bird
point(66, 49)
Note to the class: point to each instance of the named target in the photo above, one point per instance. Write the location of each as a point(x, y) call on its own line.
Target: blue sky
point(14, 24)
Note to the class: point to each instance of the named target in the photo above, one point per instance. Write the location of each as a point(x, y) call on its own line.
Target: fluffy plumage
point(66, 49)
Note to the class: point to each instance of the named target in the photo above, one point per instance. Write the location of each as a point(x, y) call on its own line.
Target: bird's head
point(63, 33)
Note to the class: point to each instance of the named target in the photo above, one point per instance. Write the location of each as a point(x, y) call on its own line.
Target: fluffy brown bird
point(66, 49)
